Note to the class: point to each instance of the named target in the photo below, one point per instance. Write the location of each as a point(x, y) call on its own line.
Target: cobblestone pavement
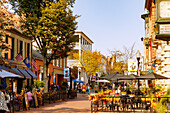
point(79, 105)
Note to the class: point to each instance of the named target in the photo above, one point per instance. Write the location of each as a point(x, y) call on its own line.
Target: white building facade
point(83, 42)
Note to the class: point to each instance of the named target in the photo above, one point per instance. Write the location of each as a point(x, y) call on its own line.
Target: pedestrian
point(96, 88)
point(30, 99)
point(128, 92)
point(52, 87)
point(88, 88)
point(7, 99)
point(3, 104)
point(79, 88)
point(84, 88)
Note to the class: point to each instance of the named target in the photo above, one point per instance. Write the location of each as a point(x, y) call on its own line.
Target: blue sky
point(111, 24)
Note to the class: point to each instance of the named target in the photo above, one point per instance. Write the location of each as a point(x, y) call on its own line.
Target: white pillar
point(79, 45)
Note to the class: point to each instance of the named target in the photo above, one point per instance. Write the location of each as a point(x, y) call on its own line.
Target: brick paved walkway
point(80, 104)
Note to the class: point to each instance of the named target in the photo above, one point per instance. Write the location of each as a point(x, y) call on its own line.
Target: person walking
point(3, 104)
point(88, 88)
point(30, 99)
point(84, 88)
point(96, 88)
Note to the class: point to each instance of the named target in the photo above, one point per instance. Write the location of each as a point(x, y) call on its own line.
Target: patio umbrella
point(117, 77)
point(128, 77)
point(102, 81)
point(7, 74)
point(108, 77)
point(77, 80)
point(152, 76)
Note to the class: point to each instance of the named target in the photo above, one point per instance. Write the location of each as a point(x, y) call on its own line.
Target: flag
point(19, 56)
point(34, 65)
point(27, 62)
point(153, 65)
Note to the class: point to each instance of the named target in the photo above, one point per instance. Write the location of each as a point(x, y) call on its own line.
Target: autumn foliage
point(91, 61)
point(7, 21)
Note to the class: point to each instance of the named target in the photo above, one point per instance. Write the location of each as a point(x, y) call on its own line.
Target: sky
point(111, 24)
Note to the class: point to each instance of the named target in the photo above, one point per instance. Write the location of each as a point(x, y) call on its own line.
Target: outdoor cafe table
point(110, 101)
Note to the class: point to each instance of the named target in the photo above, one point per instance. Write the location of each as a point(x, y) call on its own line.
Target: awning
point(24, 73)
point(7, 69)
point(7, 74)
point(31, 73)
point(17, 72)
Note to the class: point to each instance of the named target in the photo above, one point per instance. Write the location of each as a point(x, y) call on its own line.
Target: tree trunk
point(45, 74)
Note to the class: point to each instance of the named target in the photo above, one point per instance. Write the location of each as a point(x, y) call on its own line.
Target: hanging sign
point(66, 73)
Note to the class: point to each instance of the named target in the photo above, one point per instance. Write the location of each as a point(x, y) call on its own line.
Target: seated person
point(118, 91)
point(128, 91)
point(79, 88)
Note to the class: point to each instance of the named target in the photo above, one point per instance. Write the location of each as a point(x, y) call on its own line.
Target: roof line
point(77, 31)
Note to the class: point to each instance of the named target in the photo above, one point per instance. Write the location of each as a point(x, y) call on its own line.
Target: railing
point(50, 97)
point(124, 104)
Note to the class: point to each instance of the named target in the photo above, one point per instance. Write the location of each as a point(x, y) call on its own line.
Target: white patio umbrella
point(7, 74)
point(102, 81)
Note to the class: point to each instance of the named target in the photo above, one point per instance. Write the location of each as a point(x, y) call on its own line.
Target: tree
point(51, 24)
point(90, 61)
point(121, 58)
point(7, 21)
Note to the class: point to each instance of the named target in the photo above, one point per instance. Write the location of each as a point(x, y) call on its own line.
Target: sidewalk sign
point(26, 100)
point(35, 98)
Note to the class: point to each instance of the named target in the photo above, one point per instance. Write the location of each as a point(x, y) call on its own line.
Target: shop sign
point(164, 29)
point(66, 73)
point(132, 65)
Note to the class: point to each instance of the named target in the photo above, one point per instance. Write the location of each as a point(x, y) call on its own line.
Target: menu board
point(26, 100)
point(35, 98)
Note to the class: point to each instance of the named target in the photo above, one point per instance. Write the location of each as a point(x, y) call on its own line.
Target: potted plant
point(166, 101)
point(41, 84)
point(160, 108)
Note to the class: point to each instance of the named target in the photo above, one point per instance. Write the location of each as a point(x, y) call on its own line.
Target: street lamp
point(70, 79)
point(138, 55)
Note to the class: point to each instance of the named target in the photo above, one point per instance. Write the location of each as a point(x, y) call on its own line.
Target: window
point(64, 62)
point(28, 50)
point(12, 50)
point(76, 37)
point(10, 53)
point(21, 46)
point(60, 62)
point(54, 62)
point(25, 49)
point(6, 54)
point(57, 62)
point(17, 47)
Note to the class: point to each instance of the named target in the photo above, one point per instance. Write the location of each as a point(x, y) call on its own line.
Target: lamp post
point(70, 79)
point(138, 55)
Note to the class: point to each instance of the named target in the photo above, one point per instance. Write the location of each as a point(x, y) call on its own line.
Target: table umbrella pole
point(138, 87)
